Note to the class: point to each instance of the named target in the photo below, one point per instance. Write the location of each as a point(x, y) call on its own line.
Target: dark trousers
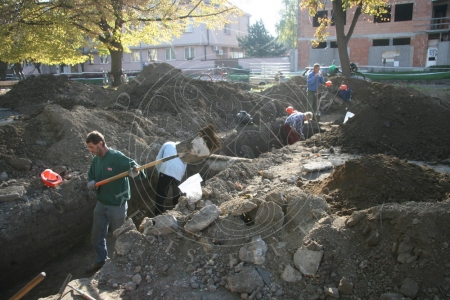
point(292, 135)
point(162, 188)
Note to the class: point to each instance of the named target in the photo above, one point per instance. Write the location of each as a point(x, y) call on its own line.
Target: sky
point(267, 10)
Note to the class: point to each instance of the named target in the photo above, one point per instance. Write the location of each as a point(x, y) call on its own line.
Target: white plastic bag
point(348, 115)
point(192, 188)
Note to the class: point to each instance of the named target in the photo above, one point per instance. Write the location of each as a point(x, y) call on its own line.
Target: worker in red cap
point(294, 125)
point(290, 110)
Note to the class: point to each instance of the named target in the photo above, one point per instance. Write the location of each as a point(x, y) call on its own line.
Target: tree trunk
point(342, 39)
point(116, 62)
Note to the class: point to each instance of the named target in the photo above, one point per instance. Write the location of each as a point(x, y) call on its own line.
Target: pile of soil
point(391, 120)
point(35, 92)
point(377, 179)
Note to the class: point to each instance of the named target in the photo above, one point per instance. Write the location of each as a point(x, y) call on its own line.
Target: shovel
point(203, 145)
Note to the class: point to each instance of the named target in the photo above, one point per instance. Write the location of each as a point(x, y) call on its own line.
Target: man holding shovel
point(314, 79)
point(111, 207)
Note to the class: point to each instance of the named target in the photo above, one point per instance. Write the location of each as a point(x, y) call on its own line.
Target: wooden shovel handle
point(124, 174)
point(30, 285)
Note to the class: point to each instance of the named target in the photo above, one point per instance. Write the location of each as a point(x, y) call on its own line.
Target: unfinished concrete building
point(414, 33)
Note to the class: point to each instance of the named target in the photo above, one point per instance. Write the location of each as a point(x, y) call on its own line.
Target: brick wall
point(366, 31)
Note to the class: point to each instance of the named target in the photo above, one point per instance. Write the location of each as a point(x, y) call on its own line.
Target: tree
point(57, 31)
point(369, 7)
point(259, 42)
point(287, 27)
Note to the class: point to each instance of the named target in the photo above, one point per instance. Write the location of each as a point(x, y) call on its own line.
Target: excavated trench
point(247, 142)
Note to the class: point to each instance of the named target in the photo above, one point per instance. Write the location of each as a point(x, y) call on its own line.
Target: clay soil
point(388, 185)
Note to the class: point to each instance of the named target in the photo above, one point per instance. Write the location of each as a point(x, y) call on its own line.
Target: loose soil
point(385, 223)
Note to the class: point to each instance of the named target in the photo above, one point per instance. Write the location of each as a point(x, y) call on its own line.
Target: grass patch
point(410, 76)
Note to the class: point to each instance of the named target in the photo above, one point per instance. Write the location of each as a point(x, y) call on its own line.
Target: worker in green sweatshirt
point(112, 197)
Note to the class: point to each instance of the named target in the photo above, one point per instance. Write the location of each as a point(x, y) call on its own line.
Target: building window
point(380, 42)
point(226, 29)
point(403, 12)
point(384, 17)
point(236, 53)
point(332, 17)
point(333, 45)
point(322, 45)
point(434, 36)
point(135, 55)
point(103, 58)
point(170, 54)
point(152, 55)
point(401, 41)
point(319, 15)
point(189, 53)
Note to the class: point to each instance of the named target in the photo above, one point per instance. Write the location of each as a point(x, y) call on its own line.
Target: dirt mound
point(36, 91)
point(391, 251)
point(394, 121)
point(162, 90)
point(376, 179)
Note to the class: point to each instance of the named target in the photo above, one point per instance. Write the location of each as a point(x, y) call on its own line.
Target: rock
point(20, 164)
point(212, 288)
point(127, 226)
point(159, 225)
point(160, 131)
point(269, 216)
point(267, 174)
point(409, 288)
point(246, 281)
point(237, 207)
point(277, 197)
point(231, 185)
point(332, 292)
point(345, 286)
point(355, 218)
point(136, 278)
point(290, 274)
point(202, 218)
point(254, 252)
point(316, 167)
point(11, 193)
point(130, 286)
point(206, 192)
point(200, 204)
point(59, 169)
point(265, 275)
point(405, 246)
point(304, 208)
point(406, 257)
point(307, 261)
point(3, 176)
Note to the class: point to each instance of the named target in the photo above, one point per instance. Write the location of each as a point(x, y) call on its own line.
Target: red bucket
point(50, 178)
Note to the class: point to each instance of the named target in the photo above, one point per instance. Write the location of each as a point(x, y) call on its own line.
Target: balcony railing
point(434, 24)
